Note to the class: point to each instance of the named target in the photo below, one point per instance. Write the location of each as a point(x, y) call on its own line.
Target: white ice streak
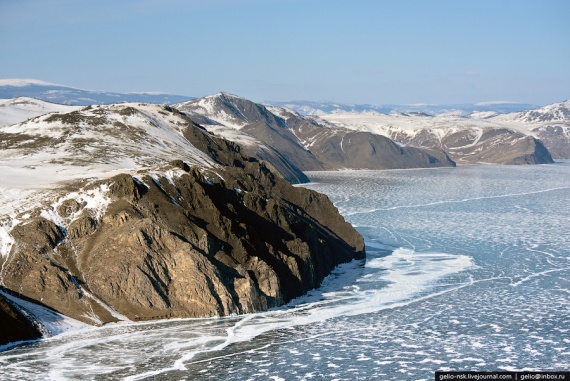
point(409, 277)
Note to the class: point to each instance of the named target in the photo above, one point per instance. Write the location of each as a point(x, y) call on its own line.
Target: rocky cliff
point(15, 325)
point(214, 234)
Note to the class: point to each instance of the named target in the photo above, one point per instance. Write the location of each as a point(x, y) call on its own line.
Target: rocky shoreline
point(175, 241)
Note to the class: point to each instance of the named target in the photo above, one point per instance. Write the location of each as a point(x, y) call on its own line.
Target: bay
point(467, 269)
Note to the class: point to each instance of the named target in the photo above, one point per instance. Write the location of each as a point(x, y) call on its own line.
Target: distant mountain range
point(51, 92)
point(481, 137)
point(304, 136)
point(55, 93)
point(323, 108)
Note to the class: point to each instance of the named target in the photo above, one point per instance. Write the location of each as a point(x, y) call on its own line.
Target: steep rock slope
point(252, 125)
point(110, 231)
point(307, 143)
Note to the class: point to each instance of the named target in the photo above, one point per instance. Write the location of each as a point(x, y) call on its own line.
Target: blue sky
point(367, 51)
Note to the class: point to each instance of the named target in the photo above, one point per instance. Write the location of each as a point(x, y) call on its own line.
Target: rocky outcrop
point(203, 242)
point(15, 325)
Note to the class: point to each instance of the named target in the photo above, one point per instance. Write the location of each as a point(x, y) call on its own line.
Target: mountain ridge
point(135, 212)
point(305, 142)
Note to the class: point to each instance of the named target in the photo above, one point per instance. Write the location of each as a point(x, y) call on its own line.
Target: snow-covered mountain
point(17, 110)
point(556, 113)
point(308, 143)
point(134, 212)
point(466, 140)
point(51, 92)
point(550, 124)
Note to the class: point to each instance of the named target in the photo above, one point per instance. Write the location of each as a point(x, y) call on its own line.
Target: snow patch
point(95, 200)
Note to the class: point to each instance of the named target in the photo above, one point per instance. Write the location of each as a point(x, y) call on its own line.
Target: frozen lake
point(467, 269)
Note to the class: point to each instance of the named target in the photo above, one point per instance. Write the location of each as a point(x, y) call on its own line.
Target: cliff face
point(185, 245)
point(178, 240)
point(15, 326)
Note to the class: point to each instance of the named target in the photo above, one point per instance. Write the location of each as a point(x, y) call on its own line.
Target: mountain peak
point(223, 94)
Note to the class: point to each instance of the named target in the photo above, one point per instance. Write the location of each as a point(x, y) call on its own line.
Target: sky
point(358, 51)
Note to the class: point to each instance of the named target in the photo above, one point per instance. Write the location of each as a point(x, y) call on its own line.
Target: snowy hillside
point(550, 124)
point(17, 110)
point(39, 157)
point(470, 140)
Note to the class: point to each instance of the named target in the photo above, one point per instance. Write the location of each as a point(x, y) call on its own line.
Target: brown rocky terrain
point(175, 240)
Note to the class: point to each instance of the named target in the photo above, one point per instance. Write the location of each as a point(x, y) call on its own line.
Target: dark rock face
point(15, 326)
point(186, 246)
point(556, 138)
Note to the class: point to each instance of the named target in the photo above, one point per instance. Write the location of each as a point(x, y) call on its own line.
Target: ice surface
point(467, 269)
